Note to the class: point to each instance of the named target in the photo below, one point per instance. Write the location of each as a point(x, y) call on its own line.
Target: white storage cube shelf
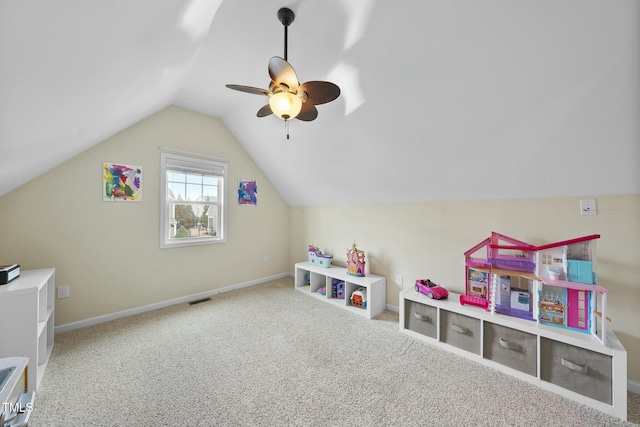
point(570, 363)
point(27, 309)
point(318, 277)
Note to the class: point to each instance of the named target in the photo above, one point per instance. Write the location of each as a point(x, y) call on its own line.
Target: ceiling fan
point(288, 99)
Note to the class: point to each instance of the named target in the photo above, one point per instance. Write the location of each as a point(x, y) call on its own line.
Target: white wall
point(428, 240)
point(109, 254)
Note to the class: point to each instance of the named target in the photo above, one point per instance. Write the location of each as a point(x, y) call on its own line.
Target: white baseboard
point(130, 312)
point(393, 308)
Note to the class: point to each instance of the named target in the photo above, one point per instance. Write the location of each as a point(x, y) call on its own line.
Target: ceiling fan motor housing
point(286, 16)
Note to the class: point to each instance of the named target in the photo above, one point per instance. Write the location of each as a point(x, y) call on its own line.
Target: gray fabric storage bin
point(577, 369)
point(510, 347)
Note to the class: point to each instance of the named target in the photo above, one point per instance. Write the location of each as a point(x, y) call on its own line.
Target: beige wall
point(108, 252)
point(427, 240)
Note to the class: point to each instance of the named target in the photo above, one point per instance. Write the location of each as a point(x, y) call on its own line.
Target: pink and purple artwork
point(121, 182)
point(247, 192)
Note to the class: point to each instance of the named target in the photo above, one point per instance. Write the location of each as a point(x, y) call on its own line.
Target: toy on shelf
point(359, 298)
point(431, 289)
point(337, 289)
point(553, 303)
point(553, 284)
point(355, 261)
point(322, 291)
point(316, 257)
point(499, 254)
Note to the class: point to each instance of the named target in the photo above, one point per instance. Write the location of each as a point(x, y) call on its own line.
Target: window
point(192, 201)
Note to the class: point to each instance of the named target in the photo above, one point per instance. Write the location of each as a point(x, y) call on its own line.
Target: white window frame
point(173, 162)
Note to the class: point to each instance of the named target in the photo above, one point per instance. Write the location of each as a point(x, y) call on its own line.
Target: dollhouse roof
point(569, 242)
point(514, 244)
point(494, 242)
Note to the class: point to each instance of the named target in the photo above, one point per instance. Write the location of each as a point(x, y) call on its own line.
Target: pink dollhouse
point(553, 284)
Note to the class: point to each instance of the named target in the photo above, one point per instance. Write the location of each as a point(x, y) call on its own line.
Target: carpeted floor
point(270, 356)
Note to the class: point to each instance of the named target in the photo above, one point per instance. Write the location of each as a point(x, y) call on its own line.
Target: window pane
point(210, 180)
point(194, 192)
point(176, 176)
point(210, 192)
point(194, 179)
point(192, 221)
point(176, 190)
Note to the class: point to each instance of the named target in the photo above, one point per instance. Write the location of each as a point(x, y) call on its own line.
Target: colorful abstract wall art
point(247, 192)
point(121, 182)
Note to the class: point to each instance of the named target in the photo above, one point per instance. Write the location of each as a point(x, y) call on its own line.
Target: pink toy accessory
point(431, 289)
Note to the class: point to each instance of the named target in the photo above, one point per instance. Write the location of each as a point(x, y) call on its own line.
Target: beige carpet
point(270, 356)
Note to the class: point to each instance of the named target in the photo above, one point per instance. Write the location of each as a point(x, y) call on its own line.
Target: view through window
point(193, 201)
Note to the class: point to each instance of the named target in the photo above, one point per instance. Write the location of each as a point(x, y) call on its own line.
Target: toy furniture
point(337, 288)
point(355, 261)
point(317, 257)
point(554, 284)
point(375, 288)
point(501, 253)
point(359, 298)
point(561, 360)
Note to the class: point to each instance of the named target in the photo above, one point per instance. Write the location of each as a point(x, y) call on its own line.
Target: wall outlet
point(399, 280)
point(265, 258)
point(588, 207)
point(63, 292)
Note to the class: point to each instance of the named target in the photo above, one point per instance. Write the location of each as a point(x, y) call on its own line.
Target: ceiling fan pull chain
point(286, 127)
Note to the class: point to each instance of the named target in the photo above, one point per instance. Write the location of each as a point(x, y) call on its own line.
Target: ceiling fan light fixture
point(286, 95)
point(285, 105)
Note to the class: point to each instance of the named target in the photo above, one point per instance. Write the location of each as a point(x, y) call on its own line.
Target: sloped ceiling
point(441, 99)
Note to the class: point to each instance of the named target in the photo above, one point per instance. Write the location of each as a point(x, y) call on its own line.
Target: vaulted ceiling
point(441, 99)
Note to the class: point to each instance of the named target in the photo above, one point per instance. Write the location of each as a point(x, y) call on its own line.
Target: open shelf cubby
point(310, 278)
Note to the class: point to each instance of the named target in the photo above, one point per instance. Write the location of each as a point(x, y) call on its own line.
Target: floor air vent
point(198, 301)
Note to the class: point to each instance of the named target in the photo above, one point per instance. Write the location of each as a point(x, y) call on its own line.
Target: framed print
point(247, 192)
point(121, 183)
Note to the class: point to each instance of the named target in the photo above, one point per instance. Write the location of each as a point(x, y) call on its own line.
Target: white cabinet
point(27, 316)
point(566, 362)
point(310, 278)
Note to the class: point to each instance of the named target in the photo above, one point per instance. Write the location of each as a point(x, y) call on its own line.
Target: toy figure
point(355, 261)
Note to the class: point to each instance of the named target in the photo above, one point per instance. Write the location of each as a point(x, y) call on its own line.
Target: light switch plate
point(588, 207)
point(63, 292)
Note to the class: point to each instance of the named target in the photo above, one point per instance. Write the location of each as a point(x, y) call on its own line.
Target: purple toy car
point(431, 290)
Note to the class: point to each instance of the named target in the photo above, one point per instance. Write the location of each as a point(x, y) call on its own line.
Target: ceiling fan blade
point(319, 92)
point(282, 72)
point(308, 113)
point(264, 111)
point(249, 89)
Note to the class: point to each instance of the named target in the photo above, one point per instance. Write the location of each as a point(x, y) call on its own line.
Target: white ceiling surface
point(441, 99)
